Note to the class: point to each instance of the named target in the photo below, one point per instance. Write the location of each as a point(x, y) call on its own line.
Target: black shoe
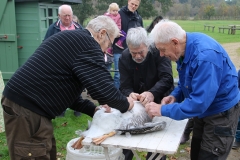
point(77, 114)
point(184, 138)
point(236, 145)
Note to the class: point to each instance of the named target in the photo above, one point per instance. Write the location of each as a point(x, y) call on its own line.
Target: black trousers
point(213, 136)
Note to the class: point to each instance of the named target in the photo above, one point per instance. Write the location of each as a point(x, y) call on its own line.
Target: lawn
point(64, 128)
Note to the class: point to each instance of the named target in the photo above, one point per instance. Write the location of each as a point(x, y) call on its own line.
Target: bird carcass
point(135, 121)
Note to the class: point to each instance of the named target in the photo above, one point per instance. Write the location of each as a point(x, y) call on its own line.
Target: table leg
point(136, 155)
point(106, 153)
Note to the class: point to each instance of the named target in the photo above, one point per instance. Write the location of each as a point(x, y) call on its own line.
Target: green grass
point(198, 26)
point(64, 134)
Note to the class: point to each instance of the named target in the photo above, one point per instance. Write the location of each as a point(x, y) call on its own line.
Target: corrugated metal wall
point(33, 20)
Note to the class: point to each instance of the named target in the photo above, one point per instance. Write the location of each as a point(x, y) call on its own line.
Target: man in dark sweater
point(52, 80)
point(145, 76)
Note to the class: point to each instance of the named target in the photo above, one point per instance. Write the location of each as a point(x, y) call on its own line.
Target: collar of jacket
point(59, 22)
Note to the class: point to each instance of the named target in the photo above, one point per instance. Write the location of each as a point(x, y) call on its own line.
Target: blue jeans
point(109, 66)
point(237, 136)
point(116, 74)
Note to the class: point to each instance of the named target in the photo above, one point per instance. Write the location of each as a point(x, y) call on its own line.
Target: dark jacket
point(55, 28)
point(128, 20)
point(154, 75)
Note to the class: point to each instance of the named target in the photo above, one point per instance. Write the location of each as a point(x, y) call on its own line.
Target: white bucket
point(92, 152)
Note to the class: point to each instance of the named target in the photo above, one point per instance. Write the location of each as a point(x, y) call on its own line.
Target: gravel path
point(232, 48)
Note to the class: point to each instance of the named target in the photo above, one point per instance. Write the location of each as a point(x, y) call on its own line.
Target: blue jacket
point(207, 80)
point(55, 28)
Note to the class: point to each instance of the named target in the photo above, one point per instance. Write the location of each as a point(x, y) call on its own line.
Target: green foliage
point(146, 9)
point(165, 5)
point(209, 11)
point(83, 10)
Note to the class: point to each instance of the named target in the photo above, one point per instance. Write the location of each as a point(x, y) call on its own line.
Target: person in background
point(75, 19)
point(145, 76)
point(129, 19)
point(206, 91)
point(153, 23)
point(236, 143)
point(112, 12)
point(65, 22)
point(52, 80)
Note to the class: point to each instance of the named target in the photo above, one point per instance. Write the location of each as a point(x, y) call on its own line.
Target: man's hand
point(153, 109)
point(168, 100)
point(145, 97)
point(106, 107)
point(134, 96)
point(130, 101)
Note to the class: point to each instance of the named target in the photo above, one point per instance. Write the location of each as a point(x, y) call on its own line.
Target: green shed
point(23, 25)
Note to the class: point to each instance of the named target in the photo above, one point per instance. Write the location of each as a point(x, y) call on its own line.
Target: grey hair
point(103, 22)
point(137, 36)
point(64, 6)
point(165, 30)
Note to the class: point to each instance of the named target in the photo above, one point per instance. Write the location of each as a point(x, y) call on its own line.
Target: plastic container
point(92, 152)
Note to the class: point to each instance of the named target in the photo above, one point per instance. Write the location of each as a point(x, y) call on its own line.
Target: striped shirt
point(53, 78)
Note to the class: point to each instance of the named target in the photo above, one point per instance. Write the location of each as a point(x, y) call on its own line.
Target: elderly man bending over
point(52, 80)
point(145, 76)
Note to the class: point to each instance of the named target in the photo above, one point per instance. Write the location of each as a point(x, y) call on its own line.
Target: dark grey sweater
point(53, 78)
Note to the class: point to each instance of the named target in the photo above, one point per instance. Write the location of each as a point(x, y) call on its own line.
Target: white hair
point(64, 6)
point(137, 36)
point(103, 22)
point(165, 30)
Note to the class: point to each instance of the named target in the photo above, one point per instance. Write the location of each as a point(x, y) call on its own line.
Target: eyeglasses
point(109, 40)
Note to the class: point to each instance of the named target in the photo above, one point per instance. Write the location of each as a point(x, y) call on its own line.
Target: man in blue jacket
point(207, 89)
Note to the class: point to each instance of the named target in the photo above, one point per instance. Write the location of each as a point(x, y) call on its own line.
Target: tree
point(209, 11)
point(146, 8)
point(183, 1)
point(165, 5)
point(83, 10)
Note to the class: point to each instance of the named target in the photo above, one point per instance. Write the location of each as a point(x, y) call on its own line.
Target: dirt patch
point(232, 48)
